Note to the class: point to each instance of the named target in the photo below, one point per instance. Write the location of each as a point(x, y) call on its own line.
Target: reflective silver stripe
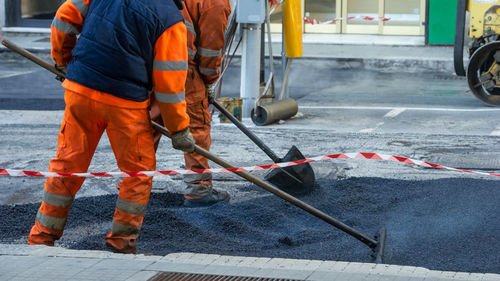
point(170, 98)
point(170, 65)
point(64, 27)
point(131, 207)
point(209, 71)
point(189, 178)
point(191, 53)
point(209, 53)
point(81, 7)
point(50, 222)
point(126, 230)
point(57, 200)
point(190, 28)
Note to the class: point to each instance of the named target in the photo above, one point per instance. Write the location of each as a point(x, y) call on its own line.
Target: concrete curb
point(95, 264)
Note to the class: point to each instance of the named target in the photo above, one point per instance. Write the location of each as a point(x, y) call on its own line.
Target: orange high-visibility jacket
point(169, 64)
point(206, 21)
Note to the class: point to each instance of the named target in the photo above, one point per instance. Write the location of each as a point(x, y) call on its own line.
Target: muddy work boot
point(123, 248)
point(197, 199)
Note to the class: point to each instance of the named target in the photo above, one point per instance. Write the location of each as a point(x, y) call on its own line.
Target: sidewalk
point(22, 262)
point(386, 53)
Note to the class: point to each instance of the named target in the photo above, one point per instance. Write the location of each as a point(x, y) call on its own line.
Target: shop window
point(31, 13)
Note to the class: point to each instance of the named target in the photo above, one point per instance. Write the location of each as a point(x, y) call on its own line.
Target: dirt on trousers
point(442, 224)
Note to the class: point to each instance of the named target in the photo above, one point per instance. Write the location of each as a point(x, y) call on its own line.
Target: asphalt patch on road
point(443, 224)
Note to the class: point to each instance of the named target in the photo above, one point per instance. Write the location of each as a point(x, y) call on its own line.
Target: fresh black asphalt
point(443, 224)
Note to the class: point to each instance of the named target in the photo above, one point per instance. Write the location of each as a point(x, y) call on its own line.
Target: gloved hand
point(63, 70)
point(183, 140)
point(211, 92)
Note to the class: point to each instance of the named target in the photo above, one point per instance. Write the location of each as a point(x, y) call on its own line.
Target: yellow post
point(292, 19)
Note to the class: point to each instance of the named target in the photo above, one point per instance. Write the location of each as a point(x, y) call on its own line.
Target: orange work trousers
point(200, 125)
point(131, 137)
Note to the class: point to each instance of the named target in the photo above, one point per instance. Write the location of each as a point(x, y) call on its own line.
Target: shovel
point(295, 180)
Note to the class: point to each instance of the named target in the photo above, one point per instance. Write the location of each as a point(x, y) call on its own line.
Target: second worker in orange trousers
point(206, 22)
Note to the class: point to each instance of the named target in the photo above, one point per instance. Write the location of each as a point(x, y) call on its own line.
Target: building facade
point(400, 17)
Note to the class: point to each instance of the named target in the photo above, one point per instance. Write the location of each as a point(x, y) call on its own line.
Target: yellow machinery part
point(484, 17)
point(292, 19)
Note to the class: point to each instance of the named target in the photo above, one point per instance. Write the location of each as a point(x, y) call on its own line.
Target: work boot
point(125, 247)
point(215, 196)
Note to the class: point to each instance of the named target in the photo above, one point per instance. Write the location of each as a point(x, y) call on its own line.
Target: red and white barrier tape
point(356, 155)
point(274, 4)
point(367, 18)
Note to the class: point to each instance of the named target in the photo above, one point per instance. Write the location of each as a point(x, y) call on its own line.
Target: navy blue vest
point(115, 51)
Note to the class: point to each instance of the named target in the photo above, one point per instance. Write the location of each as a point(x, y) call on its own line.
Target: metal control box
point(250, 11)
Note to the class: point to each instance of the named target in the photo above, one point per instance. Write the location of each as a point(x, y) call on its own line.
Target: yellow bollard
point(292, 19)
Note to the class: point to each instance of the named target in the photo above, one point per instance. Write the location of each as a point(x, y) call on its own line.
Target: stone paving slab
point(23, 262)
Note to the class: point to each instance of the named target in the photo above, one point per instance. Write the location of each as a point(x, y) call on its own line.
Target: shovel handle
point(32, 57)
point(247, 132)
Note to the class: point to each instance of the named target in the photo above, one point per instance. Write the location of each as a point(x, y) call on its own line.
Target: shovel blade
point(294, 180)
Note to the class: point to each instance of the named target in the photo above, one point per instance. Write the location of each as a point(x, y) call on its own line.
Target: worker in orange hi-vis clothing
point(125, 50)
point(206, 22)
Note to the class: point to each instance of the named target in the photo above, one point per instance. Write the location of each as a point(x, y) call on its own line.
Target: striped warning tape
point(356, 155)
point(314, 21)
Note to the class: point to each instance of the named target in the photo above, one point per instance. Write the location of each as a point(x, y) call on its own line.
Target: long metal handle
point(247, 132)
point(32, 57)
point(283, 195)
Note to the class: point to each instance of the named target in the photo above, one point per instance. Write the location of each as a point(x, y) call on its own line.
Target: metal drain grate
point(172, 276)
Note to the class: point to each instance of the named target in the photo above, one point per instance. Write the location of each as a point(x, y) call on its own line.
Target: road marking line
point(369, 130)
point(395, 112)
point(405, 108)
point(8, 75)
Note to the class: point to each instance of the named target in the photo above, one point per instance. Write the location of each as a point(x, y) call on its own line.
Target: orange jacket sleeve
point(67, 23)
point(169, 77)
point(212, 25)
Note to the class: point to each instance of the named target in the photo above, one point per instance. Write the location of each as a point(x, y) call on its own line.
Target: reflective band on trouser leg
point(81, 7)
point(170, 65)
point(189, 178)
point(125, 230)
point(209, 71)
point(64, 27)
point(57, 200)
point(191, 53)
point(209, 53)
point(190, 28)
point(50, 222)
point(131, 207)
point(170, 98)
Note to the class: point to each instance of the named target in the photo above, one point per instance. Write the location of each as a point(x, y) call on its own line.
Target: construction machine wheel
point(483, 73)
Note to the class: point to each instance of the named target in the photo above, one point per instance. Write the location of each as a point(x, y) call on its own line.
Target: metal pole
point(250, 67)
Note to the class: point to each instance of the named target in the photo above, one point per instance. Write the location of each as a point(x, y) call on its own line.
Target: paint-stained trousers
point(200, 125)
point(131, 137)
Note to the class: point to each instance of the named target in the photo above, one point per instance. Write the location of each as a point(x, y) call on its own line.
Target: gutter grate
point(174, 276)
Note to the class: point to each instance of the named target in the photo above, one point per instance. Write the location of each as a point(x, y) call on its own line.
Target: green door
point(442, 20)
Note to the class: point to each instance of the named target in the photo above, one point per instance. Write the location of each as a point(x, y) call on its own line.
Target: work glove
point(183, 140)
point(63, 70)
point(211, 92)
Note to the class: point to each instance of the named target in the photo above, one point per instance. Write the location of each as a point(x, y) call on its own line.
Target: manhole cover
point(164, 276)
